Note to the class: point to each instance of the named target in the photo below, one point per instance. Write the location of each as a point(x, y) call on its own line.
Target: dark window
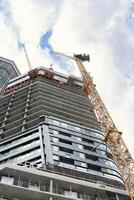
point(65, 141)
point(111, 195)
point(67, 160)
point(94, 167)
point(87, 141)
point(109, 155)
point(65, 150)
point(123, 197)
point(91, 157)
point(65, 134)
point(89, 148)
point(34, 159)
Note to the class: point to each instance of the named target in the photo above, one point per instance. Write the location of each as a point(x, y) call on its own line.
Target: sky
point(102, 28)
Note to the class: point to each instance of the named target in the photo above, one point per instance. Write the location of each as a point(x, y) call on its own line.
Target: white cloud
point(32, 19)
point(98, 27)
point(26, 21)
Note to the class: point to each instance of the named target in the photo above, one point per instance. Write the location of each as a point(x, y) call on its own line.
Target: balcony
point(14, 186)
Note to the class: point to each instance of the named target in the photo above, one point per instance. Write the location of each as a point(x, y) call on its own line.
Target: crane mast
point(113, 137)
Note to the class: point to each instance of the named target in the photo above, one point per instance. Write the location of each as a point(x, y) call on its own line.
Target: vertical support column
point(19, 181)
point(106, 197)
point(48, 148)
point(26, 109)
point(42, 146)
point(51, 189)
point(51, 186)
point(70, 191)
point(6, 116)
point(117, 197)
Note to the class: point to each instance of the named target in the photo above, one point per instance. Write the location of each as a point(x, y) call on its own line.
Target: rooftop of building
point(41, 71)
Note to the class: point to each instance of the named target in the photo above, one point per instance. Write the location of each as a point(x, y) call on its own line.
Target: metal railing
point(55, 190)
point(36, 166)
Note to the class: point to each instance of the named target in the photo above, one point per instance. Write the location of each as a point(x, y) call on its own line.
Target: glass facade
point(8, 71)
point(81, 151)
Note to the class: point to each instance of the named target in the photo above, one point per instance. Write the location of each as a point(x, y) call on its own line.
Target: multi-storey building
point(8, 71)
point(52, 146)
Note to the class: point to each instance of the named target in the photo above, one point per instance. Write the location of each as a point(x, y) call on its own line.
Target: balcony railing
point(55, 190)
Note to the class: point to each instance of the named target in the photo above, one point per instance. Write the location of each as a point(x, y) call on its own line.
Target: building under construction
point(52, 146)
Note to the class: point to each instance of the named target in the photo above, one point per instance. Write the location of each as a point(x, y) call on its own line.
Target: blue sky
point(105, 32)
point(44, 40)
point(45, 44)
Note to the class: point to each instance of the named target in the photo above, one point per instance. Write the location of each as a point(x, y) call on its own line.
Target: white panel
point(7, 180)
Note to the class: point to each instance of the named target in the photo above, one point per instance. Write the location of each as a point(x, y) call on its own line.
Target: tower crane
point(113, 137)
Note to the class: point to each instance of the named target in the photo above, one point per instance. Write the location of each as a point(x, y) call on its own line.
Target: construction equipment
point(113, 137)
point(22, 45)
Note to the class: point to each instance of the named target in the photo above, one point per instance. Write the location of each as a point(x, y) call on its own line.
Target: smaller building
point(8, 71)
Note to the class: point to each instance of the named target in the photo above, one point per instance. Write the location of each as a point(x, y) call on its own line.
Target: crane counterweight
point(82, 57)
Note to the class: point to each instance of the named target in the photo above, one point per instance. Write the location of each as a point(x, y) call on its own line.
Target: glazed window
point(65, 141)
